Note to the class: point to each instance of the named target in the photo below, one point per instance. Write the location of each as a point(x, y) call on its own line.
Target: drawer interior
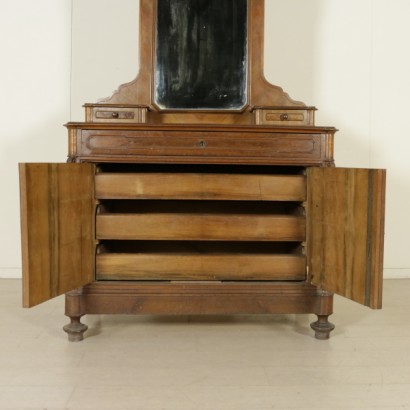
point(117, 207)
point(126, 168)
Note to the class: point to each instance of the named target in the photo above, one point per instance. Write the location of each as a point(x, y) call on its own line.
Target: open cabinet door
point(345, 232)
point(57, 226)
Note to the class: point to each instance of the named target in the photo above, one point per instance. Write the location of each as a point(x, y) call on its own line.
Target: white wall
point(105, 49)
point(35, 49)
point(351, 60)
point(348, 58)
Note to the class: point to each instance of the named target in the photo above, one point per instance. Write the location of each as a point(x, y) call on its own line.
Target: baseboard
point(398, 273)
point(10, 273)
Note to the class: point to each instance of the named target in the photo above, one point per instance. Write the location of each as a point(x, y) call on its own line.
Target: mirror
point(201, 58)
point(201, 62)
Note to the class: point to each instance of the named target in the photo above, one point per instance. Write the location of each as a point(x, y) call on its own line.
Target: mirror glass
point(201, 54)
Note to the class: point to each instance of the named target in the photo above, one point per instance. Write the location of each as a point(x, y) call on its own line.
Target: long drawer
point(183, 145)
point(188, 266)
point(200, 186)
point(185, 226)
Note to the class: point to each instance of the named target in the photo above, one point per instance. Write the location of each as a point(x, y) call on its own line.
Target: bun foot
point(75, 329)
point(322, 327)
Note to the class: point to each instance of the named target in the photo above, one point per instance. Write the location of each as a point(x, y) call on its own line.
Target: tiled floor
point(215, 363)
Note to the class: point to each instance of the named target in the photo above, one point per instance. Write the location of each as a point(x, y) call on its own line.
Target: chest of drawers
point(200, 188)
point(254, 220)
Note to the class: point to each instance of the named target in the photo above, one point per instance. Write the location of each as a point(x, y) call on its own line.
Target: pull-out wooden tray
point(206, 227)
point(200, 186)
point(197, 267)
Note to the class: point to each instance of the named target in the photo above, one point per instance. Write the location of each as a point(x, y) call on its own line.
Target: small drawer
point(284, 116)
point(116, 114)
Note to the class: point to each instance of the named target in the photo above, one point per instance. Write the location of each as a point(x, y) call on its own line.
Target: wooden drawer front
point(201, 186)
point(284, 117)
point(162, 226)
point(177, 145)
point(96, 113)
point(166, 266)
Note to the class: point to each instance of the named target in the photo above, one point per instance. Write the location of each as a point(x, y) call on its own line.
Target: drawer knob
point(115, 115)
point(202, 144)
point(284, 117)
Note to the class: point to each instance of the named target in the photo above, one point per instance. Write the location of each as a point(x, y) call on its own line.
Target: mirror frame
point(141, 90)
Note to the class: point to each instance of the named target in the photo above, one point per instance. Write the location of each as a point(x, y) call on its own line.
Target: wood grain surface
point(57, 210)
point(345, 232)
point(185, 226)
point(185, 266)
point(201, 186)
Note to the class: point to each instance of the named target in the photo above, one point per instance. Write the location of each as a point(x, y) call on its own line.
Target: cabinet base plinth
point(216, 298)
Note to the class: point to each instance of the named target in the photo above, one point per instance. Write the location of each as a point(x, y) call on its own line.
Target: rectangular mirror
point(201, 59)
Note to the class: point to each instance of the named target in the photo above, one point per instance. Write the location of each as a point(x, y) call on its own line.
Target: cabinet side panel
point(345, 232)
point(57, 224)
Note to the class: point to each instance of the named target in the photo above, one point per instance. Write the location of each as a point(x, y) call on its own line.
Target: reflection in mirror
point(201, 54)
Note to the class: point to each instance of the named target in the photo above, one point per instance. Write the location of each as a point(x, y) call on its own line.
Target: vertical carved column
point(74, 309)
point(324, 309)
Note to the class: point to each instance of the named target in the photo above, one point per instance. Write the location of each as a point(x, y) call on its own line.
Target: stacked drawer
point(116, 113)
point(284, 115)
point(190, 225)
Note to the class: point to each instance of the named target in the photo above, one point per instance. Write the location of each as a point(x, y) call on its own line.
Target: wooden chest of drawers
point(210, 230)
point(200, 188)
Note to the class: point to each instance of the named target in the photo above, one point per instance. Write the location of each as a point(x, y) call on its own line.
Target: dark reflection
point(201, 54)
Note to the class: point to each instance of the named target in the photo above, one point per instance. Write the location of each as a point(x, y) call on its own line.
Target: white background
point(349, 58)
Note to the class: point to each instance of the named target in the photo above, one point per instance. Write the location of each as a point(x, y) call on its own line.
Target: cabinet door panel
point(57, 214)
point(345, 232)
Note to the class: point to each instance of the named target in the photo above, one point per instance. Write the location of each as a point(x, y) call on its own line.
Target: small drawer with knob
point(116, 113)
point(284, 115)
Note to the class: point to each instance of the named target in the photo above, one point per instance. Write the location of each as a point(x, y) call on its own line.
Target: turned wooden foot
point(322, 327)
point(75, 329)
point(74, 309)
point(324, 309)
